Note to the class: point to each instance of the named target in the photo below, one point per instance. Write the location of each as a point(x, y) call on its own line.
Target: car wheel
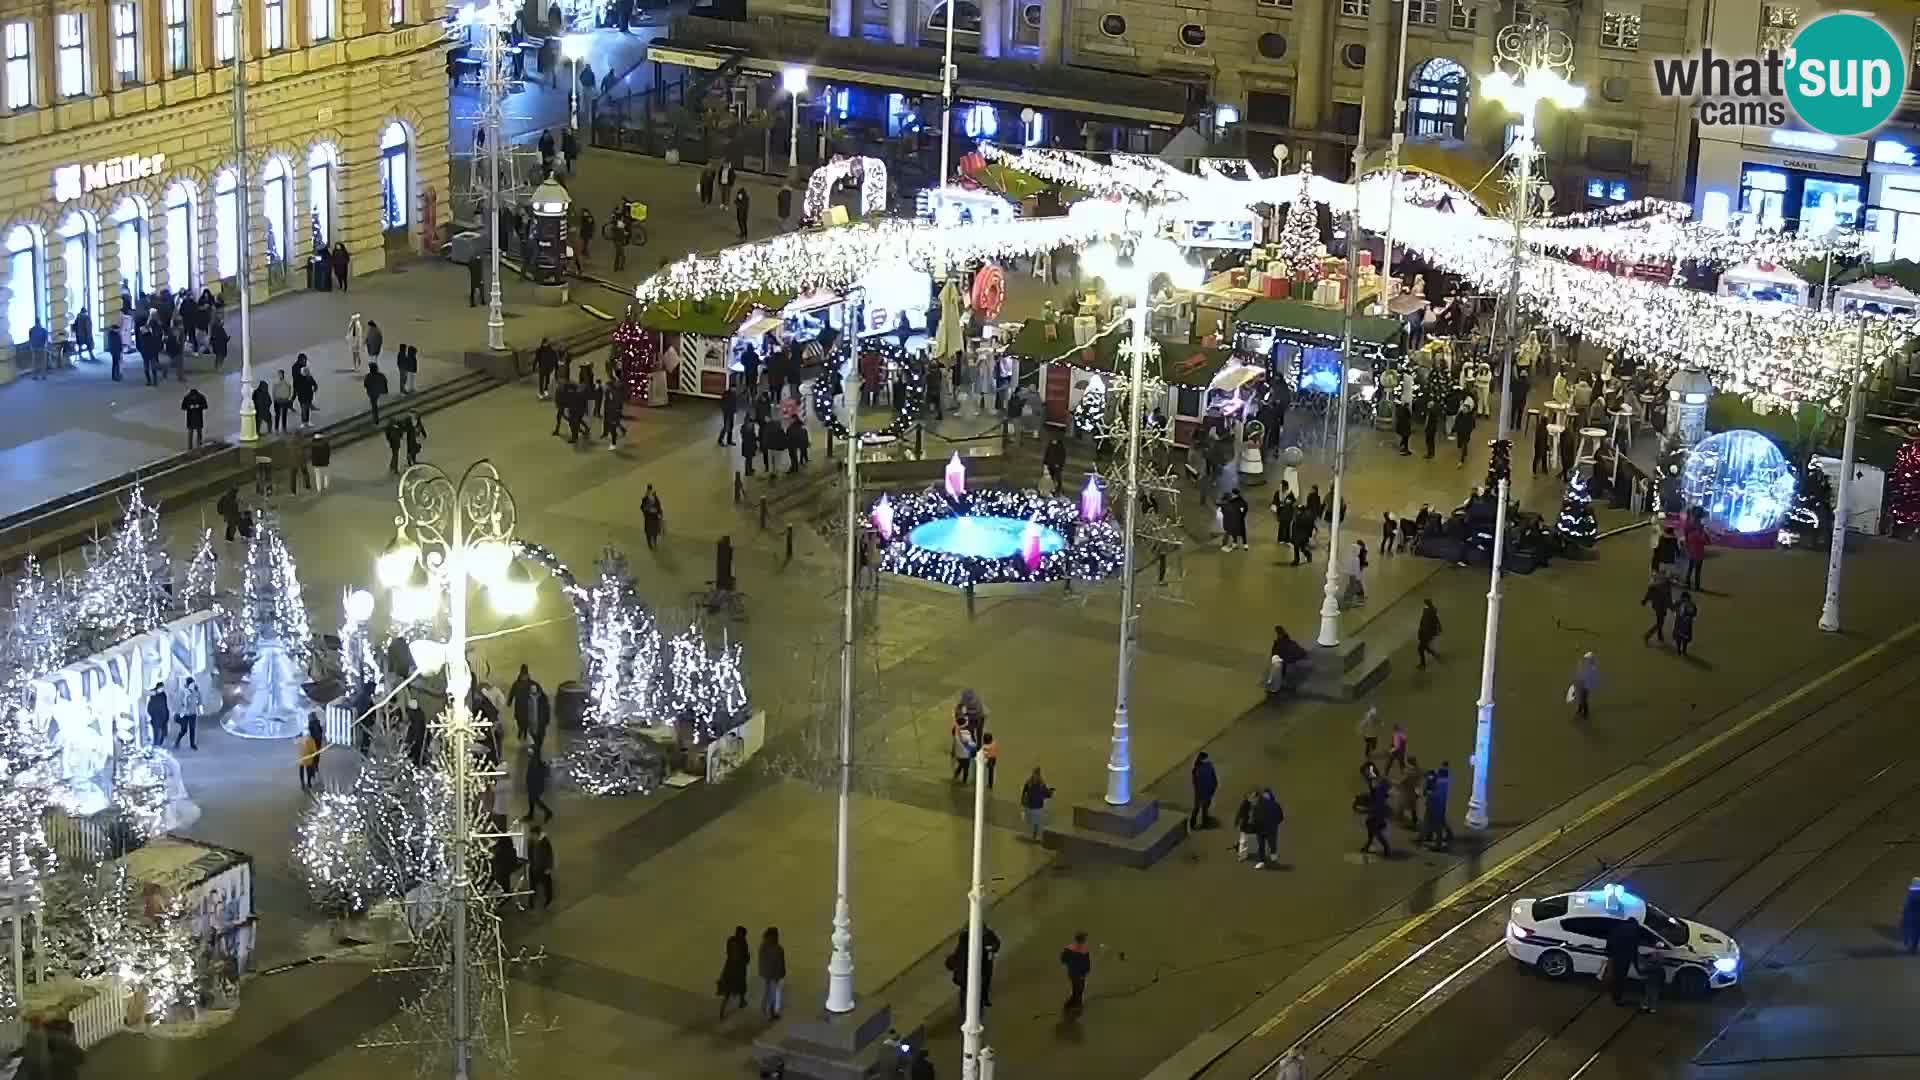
point(1690, 982)
point(1554, 964)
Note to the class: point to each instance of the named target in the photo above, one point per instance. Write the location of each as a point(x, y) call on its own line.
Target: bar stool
point(1623, 427)
point(1589, 445)
point(1553, 446)
point(262, 474)
point(1528, 421)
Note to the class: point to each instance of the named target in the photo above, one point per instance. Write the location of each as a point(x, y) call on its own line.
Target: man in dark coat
point(146, 341)
point(1429, 629)
point(1205, 783)
point(195, 406)
point(545, 359)
point(729, 405)
point(795, 442)
point(1433, 426)
point(158, 713)
point(1659, 599)
point(1303, 525)
point(749, 443)
point(1079, 965)
point(1623, 949)
point(1055, 460)
point(375, 384)
point(1403, 426)
point(542, 716)
point(1434, 828)
point(537, 786)
point(520, 697)
point(957, 964)
point(539, 865)
point(1463, 422)
point(396, 435)
point(740, 202)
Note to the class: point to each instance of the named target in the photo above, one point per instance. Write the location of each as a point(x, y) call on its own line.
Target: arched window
point(1440, 92)
point(80, 259)
point(131, 255)
point(183, 239)
point(320, 164)
point(396, 178)
point(226, 225)
point(968, 21)
point(24, 272)
point(276, 189)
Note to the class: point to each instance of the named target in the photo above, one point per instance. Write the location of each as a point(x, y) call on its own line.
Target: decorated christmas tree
point(272, 625)
point(1903, 486)
point(1299, 241)
point(1811, 513)
point(124, 591)
point(1576, 527)
point(200, 591)
point(372, 841)
point(1090, 416)
point(636, 356)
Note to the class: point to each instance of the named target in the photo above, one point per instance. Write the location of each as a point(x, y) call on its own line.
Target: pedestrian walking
point(309, 752)
point(520, 697)
point(1396, 749)
point(740, 203)
point(375, 384)
point(1432, 429)
point(321, 458)
point(1659, 599)
point(228, 507)
point(282, 401)
point(1369, 730)
point(1267, 816)
point(1033, 803)
point(396, 432)
point(304, 388)
point(1055, 459)
point(1079, 965)
point(729, 404)
point(1540, 447)
point(342, 261)
point(1233, 520)
point(773, 972)
point(1910, 918)
point(416, 430)
point(795, 440)
point(1377, 817)
point(1666, 549)
point(194, 404)
point(1284, 506)
point(1429, 630)
point(652, 516)
point(990, 755)
point(219, 340)
point(1389, 531)
point(262, 398)
point(1206, 782)
point(964, 749)
point(536, 784)
point(749, 442)
point(733, 971)
point(542, 716)
point(1403, 426)
point(725, 179)
point(1586, 676)
point(1354, 566)
point(1694, 541)
point(1684, 613)
point(539, 865)
point(569, 149)
point(1305, 520)
point(961, 958)
point(374, 341)
point(176, 347)
point(1435, 831)
point(1411, 790)
point(546, 359)
point(159, 717)
point(407, 361)
point(1463, 422)
point(1623, 949)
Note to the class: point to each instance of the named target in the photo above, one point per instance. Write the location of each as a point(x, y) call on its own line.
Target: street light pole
point(840, 965)
point(1393, 158)
point(1542, 56)
point(1120, 753)
point(946, 97)
point(1837, 547)
point(970, 1031)
point(1330, 592)
point(493, 93)
point(243, 179)
point(794, 81)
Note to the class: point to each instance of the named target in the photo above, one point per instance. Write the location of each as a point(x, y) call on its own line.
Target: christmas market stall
point(1765, 282)
point(1302, 342)
point(1066, 372)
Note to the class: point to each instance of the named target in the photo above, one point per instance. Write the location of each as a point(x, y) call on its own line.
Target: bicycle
point(726, 603)
point(632, 216)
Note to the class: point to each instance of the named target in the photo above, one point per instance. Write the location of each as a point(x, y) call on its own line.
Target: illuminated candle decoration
point(882, 518)
point(1092, 501)
point(956, 477)
point(1030, 544)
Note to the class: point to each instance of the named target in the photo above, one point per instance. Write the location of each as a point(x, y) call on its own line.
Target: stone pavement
point(1178, 947)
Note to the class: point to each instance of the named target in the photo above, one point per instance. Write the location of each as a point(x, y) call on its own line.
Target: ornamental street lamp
point(1330, 593)
point(840, 997)
point(1536, 60)
point(449, 534)
point(243, 264)
point(794, 81)
point(493, 95)
point(574, 48)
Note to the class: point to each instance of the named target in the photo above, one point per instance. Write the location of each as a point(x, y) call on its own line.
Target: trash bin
point(570, 705)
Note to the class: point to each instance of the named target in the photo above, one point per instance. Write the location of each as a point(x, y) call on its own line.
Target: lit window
point(396, 12)
point(1617, 191)
point(1778, 25)
point(223, 31)
point(1596, 189)
point(981, 121)
point(1423, 12)
point(1465, 15)
point(70, 53)
point(126, 43)
point(319, 20)
point(181, 235)
point(226, 225)
point(1620, 29)
point(1356, 8)
point(273, 24)
point(19, 69)
point(179, 42)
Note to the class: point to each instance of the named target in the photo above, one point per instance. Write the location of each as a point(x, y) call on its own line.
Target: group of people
point(162, 327)
point(721, 179)
point(185, 717)
point(273, 403)
point(761, 433)
point(770, 963)
point(577, 397)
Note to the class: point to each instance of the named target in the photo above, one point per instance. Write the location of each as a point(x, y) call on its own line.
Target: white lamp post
point(794, 81)
point(1837, 546)
point(946, 96)
point(840, 964)
point(450, 534)
point(574, 48)
point(1540, 58)
point(243, 265)
point(971, 1044)
point(1330, 593)
point(1393, 158)
point(493, 93)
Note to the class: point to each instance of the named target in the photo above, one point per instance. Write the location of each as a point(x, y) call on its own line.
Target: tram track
point(1774, 749)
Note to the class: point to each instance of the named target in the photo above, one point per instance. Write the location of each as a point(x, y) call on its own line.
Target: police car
point(1565, 935)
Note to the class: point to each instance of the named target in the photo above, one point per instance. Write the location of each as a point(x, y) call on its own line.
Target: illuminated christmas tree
point(1576, 526)
point(1811, 514)
point(636, 356)
point(1903, 486)
point(1090, 416)
point(1299, 243)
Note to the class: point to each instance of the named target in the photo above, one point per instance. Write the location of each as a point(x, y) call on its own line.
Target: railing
point(103, 1015)
point(76, 840)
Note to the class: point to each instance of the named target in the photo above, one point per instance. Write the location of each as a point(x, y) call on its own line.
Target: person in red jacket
point(1695, 542)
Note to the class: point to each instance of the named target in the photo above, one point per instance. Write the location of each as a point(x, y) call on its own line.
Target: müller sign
point(72, 181)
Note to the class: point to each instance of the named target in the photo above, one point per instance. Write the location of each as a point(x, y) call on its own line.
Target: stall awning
point(1310, 324)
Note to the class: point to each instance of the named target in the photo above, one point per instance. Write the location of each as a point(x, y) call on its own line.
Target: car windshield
point(1668, 927)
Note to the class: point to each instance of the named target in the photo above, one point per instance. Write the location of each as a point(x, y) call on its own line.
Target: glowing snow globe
point(1743, 483)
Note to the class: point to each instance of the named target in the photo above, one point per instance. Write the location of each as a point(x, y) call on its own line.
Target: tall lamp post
point(1330, 593)
point(1536, 60)
point(243, 231)
point(840, 997)
point(946, 96)
point(1837, 546)
point(574, 48)
point(794, 81)
point(1393, 158)
point(448, 535)
point(493, 95)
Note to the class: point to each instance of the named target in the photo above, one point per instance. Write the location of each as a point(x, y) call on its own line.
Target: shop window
point(320, 165)
point(1193, 35)
point(276, 191)
point(273, 24)
point(320, 17)
point(1605, 153)
point(1267, 107)
point(1596, 189)
point(1033, 127)
point(396, 179)
point(1763, 197)
point(70, 54)
point(1357, 9)
point(126, 44)
point(1465, 16)
point(1617, 191)
point(1113, 25)
point(1828, 205)
point(1423, 12)
point(80, 258)
point(1354, 56)
point(226, 225)
point(1893, 227)
point(183, 235)
point(980, 120)
point(223, 31)
point(18, 73)
point(179, 41)
point(25, 273)
point(131, 253)
point(1620, 29)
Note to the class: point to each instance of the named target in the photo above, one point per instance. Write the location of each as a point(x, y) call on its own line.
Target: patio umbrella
point(951, 337)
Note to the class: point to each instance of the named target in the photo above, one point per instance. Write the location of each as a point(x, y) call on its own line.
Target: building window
point(396, 178)
point(320, 162)
point(1605, 153)
point(1113, 25)
point(1423, 12)
point(319, 20)
point(1346, 117)
point(1465, 15)
point(1354, 56)
point(1031, 15)
point(1270, 108)
point(130, 244)
point(223, 31)
point(1439, 99)
point(19, 69)
point(1615, 88)
point(1358, 9)
point(179, 42)
point(967, 18)
point(1522, 11)
point(276, 190)
point(396, 12)
point(70, 54)
point(1620, 29)
point(1284, 5)
point(1272, 46)
point(273, 24)
point(126, 44)
point(226, 225)
point(22, 272)
point(1193, 35)
point(80, 258)
point(1778, 24)
point(182, 236)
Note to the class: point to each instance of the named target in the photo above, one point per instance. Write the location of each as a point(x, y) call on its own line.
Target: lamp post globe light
point(1533, 61)
point(574, 48)
point(449, 534)
point(794, 81)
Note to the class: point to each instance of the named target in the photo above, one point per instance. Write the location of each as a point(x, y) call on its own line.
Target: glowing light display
point(1742, 480)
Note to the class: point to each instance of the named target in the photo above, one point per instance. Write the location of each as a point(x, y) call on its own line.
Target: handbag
point(1572, 693)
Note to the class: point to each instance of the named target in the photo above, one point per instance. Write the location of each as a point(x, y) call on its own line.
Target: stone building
point(118, 160)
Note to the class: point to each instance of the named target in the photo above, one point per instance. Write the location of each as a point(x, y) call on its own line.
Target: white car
point(1567, 934)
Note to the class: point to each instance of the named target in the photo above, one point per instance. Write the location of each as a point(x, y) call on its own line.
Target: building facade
point(118, 155)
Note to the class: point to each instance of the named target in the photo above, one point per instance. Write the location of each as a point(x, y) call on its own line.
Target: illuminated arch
point(871, 172)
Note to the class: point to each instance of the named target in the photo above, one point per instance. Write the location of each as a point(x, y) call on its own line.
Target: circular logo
point(1845, 74)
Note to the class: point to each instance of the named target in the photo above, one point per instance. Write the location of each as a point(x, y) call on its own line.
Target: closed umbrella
point(951, 337)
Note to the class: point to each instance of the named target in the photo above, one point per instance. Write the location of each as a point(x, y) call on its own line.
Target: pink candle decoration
point(956, 476)
point(882, 518)
point(1092, 502)
point(1030, 545)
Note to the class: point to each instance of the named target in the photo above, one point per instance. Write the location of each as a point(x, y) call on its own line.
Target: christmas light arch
point(872, 174)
